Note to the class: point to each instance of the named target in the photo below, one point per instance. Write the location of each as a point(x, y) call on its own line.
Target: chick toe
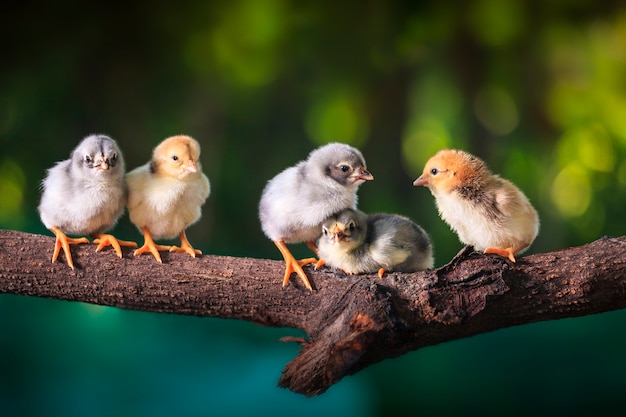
point(103, 240)
point(150, 246)
point(320, 263)
point(507, 253)
point(62, 241)
point(185, 246)
point(293, 265)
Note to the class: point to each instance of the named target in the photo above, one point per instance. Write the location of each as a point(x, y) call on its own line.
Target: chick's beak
point(363, 175)
point(191, 166)
point(421, 181)
point(102, 165)
point(338, 235)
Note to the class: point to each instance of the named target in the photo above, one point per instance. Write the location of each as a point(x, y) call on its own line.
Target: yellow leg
point(104, 240)
point(507, 253)
point(150, 246)
point(381, 272)
point(62, 241)
point(185, 246)
point(293, 265)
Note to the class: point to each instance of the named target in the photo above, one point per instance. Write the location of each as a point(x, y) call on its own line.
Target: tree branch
point(351, 321)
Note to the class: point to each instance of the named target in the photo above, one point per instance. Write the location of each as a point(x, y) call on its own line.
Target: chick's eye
point(325, 230)
point(351, 226)
point(434, 171)
point(344, 168)
point(114, 158)
point(88, 159)
point(175, 158)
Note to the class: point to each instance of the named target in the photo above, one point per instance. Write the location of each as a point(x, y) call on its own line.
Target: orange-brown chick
point(486, 211)
point(165, 195)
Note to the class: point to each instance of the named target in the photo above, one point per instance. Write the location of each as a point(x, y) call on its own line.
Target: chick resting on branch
point(351, 321)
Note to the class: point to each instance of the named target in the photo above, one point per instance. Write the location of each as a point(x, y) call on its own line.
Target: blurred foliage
point(537, 89)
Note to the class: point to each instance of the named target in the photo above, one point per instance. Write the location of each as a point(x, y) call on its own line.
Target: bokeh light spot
point(421, 141)
point(595, 149)
point(496, 110)
point(337, 117)
point(571, 191)
point(497, 22)
point(621, 174)
point(12, 181)
point(242, 47)
point(590, 145)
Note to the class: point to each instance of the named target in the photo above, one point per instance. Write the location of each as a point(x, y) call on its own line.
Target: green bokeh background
point(536, 88)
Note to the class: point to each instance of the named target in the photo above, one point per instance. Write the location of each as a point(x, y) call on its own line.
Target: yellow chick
point(166, 194)
point(486, 211)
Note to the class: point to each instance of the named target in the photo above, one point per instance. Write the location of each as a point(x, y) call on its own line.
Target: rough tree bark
point(351, 321)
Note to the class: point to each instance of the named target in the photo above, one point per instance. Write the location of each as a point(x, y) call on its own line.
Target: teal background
point(537, 89)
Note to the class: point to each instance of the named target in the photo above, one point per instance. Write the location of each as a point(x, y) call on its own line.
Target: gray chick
point(358, 243)
point(85, 195)
point(296, 201)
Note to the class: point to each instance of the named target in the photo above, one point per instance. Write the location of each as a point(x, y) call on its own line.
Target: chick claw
point(320, 264)
point(296, 266)
point(293, 265)
point(62, 241)
point(185, 246)
point(507, 253)
point(150, 246)
point(104, 240)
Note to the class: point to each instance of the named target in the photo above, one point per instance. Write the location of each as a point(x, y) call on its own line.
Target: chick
point(85, 195)
point(296, 201)
point(165, 195)
point(358, 243)
point(486, 211)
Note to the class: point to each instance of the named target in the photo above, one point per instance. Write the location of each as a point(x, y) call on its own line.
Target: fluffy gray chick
point(85, 195)
point(357, 243)
point(296, 201)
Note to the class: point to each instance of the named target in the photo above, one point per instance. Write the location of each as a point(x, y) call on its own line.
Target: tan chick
point(166, 194)
point(486, 211)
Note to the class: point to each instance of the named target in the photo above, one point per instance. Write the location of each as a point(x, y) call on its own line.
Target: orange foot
point(507, 253)
point(185, 246)
point(150, 246)
point(381, 272)
point(62, 241)
point(320, 264)
point(293, 265)
point(104, 240)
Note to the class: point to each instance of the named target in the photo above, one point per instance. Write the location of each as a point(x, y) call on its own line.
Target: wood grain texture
point(351, 321)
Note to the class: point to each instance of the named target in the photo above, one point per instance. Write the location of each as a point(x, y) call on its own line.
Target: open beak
point(420, 181)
